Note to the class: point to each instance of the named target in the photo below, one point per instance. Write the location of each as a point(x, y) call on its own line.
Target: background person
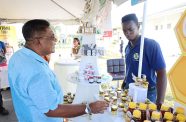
point(35, 90)
point(76, 46)
point(3, 111)
point(153, 62)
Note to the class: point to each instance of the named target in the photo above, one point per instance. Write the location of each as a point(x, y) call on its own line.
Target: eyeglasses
point(48, 37)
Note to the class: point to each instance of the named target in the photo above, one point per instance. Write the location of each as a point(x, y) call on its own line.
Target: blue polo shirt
point(152, 61)
point(34, 87)
point(2, 45)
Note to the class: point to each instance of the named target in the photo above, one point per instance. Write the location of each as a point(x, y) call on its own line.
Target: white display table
point(62, 69)
point(105, 117)
point(89, 93)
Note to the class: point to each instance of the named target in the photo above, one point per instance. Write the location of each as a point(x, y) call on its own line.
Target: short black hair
point(32, 26)
point(130, 17)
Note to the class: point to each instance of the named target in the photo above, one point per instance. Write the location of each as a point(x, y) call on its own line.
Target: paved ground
point(8, 105)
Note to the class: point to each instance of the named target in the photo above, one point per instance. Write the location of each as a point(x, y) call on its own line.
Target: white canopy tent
point(65, 11)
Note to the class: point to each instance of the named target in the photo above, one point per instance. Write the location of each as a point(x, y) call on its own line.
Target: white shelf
point(74, 78)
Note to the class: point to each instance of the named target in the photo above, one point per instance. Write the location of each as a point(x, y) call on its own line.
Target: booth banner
point(7, 32)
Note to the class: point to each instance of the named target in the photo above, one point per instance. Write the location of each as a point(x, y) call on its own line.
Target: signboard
point(134, 2)
point(107, 34)
point(7, 33)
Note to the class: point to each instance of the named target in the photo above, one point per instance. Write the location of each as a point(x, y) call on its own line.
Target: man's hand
point(98, 106)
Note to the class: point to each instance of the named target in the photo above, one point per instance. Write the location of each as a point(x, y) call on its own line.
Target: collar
point(34, 55)
point(137, 44)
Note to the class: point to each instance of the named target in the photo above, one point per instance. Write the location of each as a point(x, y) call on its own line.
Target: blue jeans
point(152, 94)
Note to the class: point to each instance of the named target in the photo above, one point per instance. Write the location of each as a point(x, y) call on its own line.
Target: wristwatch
point(87, 109)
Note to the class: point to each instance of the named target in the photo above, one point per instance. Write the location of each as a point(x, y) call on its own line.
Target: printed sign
point(7, 33)
point(107, 34)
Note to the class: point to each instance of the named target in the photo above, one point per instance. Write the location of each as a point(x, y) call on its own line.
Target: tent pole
point(142, 39)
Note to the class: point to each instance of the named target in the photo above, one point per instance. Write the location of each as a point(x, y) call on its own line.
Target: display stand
point(62, 68)
point(88, 78)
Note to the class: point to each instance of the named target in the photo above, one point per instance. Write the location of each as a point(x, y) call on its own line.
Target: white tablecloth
point(62, 69)
point(4, 77)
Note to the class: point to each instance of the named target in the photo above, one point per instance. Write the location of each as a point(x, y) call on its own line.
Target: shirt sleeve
point(43, 93)
point(157, 60)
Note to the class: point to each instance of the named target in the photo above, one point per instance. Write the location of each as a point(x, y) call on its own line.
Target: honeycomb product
point(143, 109)
point(152, 107)
point(132, 106)
point(156, 116)
point(179, 110)
point(168, 116)
point(137, 116)
point(164, 108)
point(180, 117)
point(143, 106)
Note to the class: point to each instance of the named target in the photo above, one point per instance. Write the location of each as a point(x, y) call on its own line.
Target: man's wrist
point(87, 109)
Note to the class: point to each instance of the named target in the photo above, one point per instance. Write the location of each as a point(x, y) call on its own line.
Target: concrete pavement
point(9, 106)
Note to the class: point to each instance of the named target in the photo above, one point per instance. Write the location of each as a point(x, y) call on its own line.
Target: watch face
point(86, 110)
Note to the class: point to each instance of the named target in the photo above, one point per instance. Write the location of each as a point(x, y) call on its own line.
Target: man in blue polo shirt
point(153, 62)
point(36, 94)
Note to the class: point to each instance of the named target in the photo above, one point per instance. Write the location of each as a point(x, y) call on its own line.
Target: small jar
point(137, 115)
point(121, 105)
point(180, 117)
point(152, 107)
point(114, 100)
point(164, 108)
point(143, 109)
point(114, 109)
point(168, 116)
point(132, 106)
point(179, 110)
point(156, 116)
